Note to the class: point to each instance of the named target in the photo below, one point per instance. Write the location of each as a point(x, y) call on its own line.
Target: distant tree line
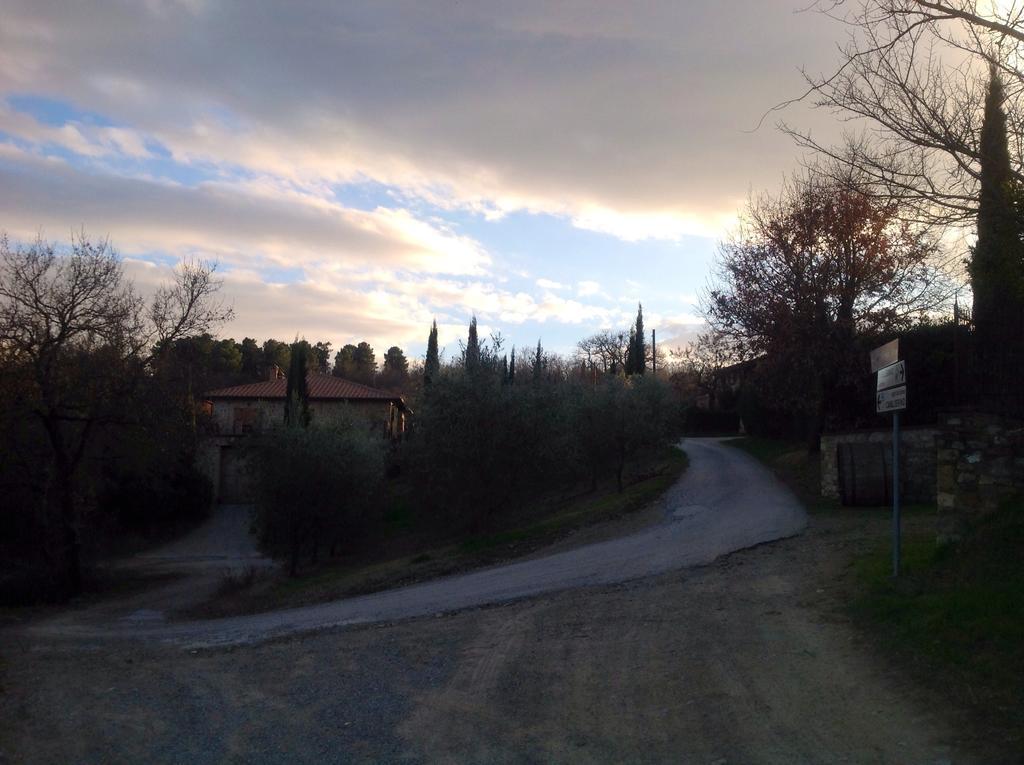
point(206, 363)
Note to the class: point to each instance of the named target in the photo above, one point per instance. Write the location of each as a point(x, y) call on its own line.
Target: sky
point(357, 170)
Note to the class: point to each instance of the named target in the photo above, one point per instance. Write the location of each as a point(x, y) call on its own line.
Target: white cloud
point(633, 124)
point(548, 284)
point(627, 121)
point(87, 140)
point(240, 225)
point(313, 309)
point(640, 226)
point(689, 298)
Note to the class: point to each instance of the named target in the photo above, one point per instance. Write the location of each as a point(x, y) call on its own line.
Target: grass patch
point(957, 611)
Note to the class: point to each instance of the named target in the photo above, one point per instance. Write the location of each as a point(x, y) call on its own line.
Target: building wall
point(268, 413)
point(263, 414)
point(980, 463)
point(208, 460)
point(917, 460)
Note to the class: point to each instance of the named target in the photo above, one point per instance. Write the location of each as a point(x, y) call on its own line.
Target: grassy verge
point(546, 522)
point(954, 618)
point(590, 508)
point(957, 614)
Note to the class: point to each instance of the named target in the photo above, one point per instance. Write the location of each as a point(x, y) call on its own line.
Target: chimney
point(274, 373)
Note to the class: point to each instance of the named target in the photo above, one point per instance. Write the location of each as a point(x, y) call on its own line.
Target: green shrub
point(315, 487)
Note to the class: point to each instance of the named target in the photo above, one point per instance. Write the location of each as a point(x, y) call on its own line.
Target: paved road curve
point(726, 501)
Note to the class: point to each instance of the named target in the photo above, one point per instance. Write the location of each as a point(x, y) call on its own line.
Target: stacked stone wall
point(917, 460)
point(979, 464)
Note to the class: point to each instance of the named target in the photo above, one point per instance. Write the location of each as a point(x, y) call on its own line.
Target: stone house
point(242, 410)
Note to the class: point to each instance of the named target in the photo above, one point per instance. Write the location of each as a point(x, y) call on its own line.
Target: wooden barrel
point(864, 474)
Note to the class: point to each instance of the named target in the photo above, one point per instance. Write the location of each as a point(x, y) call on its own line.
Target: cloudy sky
point(357, 169)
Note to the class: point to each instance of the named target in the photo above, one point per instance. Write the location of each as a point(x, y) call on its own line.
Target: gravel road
point(725, 501)
point(750, 659)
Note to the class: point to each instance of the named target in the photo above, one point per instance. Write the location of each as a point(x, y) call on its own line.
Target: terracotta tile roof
point(321, 388)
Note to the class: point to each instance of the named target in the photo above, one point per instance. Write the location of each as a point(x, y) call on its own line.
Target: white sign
point(884, 355)
point(891, 400)
point(892, 375)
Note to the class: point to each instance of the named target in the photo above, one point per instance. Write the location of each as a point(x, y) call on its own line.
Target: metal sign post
point(891, 396)
point(896, 493)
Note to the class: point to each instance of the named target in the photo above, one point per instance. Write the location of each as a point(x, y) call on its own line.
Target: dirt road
point(748, 660)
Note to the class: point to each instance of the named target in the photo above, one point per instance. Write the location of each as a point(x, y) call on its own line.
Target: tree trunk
point(294, 552)
point(816, 419)
point(813, 433)
point(620, 467)
point(71, 545)
point(69, 557)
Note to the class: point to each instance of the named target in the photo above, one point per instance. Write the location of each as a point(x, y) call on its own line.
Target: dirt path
point(185, 572)
point(749, 660)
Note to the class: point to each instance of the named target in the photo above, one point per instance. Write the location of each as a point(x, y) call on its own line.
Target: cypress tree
point(538, 363)
point(432, 365)
point(997, 261)
point(512, 367)
point(504, 369)
point(296, 402)
point(640, 351)
point(472, 348)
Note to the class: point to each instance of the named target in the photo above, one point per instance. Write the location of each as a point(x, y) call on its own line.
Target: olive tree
point(315, 485)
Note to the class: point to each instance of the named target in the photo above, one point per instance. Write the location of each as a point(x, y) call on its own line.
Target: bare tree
point(608, 350)
point(605, 350)
point(82, 337)
point(911, 82)
point(703, 363)
point(187, 306)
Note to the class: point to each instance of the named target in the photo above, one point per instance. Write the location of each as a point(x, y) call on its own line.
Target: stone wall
point(917, 460)
point(980, 462)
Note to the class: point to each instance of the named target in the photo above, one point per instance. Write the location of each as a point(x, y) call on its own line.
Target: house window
point(246, 419)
